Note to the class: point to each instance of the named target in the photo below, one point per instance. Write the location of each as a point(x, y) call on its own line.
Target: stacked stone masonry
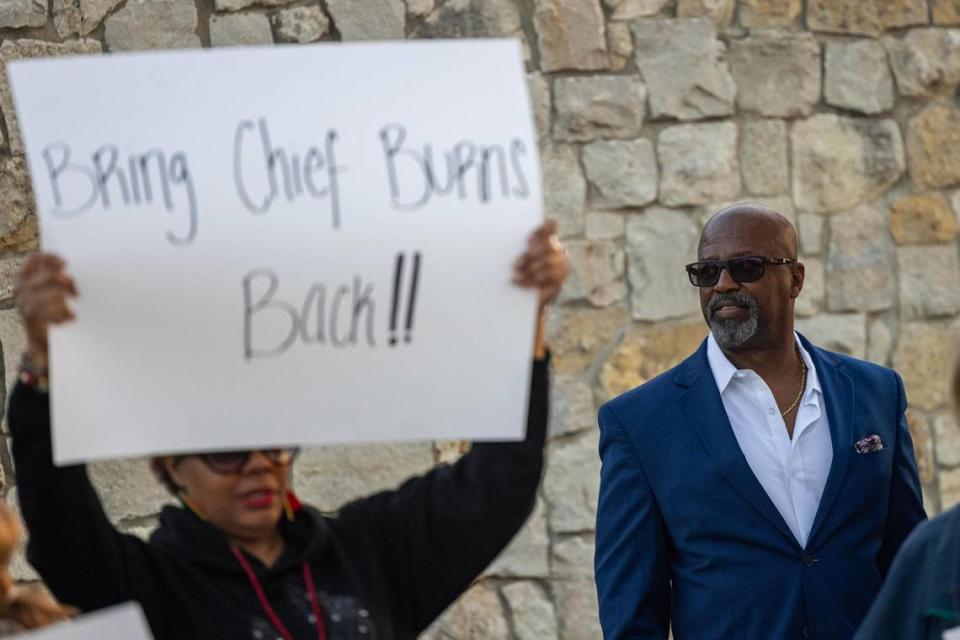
point(841, 114)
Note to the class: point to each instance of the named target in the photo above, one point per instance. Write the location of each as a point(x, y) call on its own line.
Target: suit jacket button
point(809, 561)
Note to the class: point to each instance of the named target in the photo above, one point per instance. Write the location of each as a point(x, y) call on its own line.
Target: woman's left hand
point(543, 265)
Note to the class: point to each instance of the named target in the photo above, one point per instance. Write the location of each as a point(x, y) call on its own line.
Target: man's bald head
point(764, 225)
point(755, 311)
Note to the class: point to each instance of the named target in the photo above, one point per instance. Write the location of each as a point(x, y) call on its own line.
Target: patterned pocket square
point(869, 444)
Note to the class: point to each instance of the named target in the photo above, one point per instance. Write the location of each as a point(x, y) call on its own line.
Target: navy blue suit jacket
point(686, 534)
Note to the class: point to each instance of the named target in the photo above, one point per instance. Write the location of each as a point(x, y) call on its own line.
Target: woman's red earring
point(191, 505)
point(291, 504)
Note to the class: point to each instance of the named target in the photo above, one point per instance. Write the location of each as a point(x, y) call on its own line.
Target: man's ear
point(797, 275)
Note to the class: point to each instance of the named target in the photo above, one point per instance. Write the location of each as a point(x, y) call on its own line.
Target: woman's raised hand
point(42, 291)
point(544, 264)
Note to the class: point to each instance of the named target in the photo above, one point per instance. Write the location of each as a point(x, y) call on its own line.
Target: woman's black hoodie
point(385, 566)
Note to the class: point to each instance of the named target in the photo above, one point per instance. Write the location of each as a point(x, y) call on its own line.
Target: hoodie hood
point(181, 533)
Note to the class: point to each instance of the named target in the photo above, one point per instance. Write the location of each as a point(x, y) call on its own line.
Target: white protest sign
point(285, 245)
point(124, 621)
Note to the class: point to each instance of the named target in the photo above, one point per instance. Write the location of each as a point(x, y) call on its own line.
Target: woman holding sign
point(242, 559)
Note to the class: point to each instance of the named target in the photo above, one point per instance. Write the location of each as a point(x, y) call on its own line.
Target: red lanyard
point(262, 597)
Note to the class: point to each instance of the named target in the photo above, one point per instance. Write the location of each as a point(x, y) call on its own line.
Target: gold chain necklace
point(803, 386)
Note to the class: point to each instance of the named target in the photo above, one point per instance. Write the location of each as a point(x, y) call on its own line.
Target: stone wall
point(652, 114)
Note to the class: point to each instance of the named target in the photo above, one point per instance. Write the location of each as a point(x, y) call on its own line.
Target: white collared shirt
point(792, 472)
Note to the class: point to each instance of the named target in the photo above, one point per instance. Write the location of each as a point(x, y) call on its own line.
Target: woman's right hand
point(42, 290)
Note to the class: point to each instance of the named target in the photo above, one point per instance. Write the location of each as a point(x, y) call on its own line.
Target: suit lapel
point(838, 396)
point(700, 402)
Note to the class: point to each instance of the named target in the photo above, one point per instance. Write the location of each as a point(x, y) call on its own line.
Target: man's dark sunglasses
point(228, 462)
point(742, 269)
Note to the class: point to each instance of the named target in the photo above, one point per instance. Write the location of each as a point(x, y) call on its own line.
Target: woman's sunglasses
point(742, 269)
point(229, 462)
